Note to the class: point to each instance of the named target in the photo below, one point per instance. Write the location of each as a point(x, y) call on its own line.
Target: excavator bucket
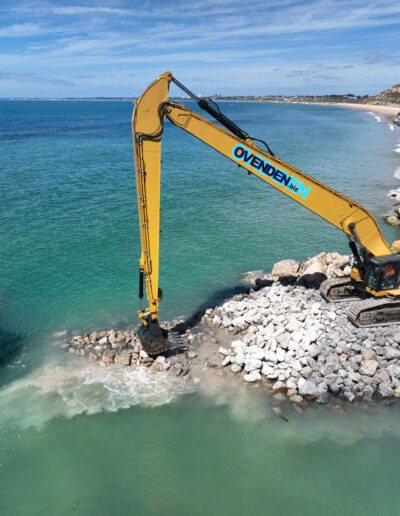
point(156, 340)
point(153, 338)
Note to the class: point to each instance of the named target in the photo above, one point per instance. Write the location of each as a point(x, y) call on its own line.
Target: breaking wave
point(378, 118)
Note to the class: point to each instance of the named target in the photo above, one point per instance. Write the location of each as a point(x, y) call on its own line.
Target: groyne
point(280, 336)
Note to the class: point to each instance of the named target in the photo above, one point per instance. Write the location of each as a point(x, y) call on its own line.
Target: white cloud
point(74, 10)
point(19, 30)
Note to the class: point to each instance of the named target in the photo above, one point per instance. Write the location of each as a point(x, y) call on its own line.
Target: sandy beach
point(389, 111)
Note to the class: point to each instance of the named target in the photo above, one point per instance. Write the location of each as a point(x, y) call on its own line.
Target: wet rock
point(223, 351)
point(296, 398)
point(385, 390)
point(160, 364)
point(322, 393)
point(307, 388)
point(226, 361)
point(392, 220)
point(253, 376)
point(238, 360)
point(252, 364)
point(123, 360)
point(177, 369)
point(92, 357)
point(348, 395)
point(108, 357)
point(279, 386)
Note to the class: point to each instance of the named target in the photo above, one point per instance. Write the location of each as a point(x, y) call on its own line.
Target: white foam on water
point(393, 193)
point(378, 118)
point(67, 390)
point(391, 127)
point(397, 173)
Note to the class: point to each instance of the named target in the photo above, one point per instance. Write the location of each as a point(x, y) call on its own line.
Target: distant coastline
point(364, 103)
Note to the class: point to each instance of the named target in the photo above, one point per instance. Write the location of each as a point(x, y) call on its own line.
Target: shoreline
point(389, 111)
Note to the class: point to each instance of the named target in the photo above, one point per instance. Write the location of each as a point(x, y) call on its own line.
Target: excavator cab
point(383, 273)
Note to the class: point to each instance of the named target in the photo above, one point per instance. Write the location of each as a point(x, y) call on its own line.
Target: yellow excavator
point(375, 275)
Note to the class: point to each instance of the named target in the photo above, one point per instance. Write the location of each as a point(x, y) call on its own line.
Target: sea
point(78, 439)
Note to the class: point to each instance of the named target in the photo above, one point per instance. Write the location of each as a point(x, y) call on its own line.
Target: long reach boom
point(151, 110)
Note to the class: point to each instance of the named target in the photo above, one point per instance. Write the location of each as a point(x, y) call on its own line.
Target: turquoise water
point(78, 441)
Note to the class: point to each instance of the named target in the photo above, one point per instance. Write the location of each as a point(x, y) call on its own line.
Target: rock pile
point(393, 219)
point(281, 335)
point(123, 348)
point(307, 347)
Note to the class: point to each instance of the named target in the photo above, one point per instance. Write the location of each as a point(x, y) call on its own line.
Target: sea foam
point(55, 390)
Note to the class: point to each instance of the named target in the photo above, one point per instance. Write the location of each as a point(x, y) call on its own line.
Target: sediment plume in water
point(59, 389)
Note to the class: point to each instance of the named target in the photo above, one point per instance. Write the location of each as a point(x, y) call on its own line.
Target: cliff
point(387, 97)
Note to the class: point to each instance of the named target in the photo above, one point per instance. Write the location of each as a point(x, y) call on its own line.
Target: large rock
point(312, 273)
point(123, 359)
point(238, 359)
point(368, 367)
point(392, 220)
point(391, 353)
point(254, 376)
point(267, 370)
point(251, 276)
point(322, 393)
point(385, 390)
point(307, 388)
point(108, 357)
point(255, 352)
point(285, 268)
point(252, 364)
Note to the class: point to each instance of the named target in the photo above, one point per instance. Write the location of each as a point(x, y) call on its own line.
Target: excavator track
point(374, 312)
point(338, 289)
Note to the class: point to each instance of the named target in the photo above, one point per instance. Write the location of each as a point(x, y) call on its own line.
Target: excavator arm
point(149, 115)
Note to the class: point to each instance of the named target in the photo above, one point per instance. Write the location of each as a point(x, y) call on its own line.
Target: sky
point(75, 48)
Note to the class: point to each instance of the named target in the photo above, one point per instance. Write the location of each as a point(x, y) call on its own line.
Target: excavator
point(375, 275)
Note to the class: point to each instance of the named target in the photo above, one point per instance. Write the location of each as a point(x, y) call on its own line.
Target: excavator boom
point(151, 109)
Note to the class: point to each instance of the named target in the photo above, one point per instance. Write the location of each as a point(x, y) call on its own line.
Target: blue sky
point(115, 48)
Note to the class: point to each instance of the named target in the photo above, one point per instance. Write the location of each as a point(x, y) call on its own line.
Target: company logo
point(279, 176)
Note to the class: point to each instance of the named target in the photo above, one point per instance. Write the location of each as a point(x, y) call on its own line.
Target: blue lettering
point(248, 156)
point(238, 152)
point(304, 191)
point(281, 177)
point(267, 168)
point(293, 184)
